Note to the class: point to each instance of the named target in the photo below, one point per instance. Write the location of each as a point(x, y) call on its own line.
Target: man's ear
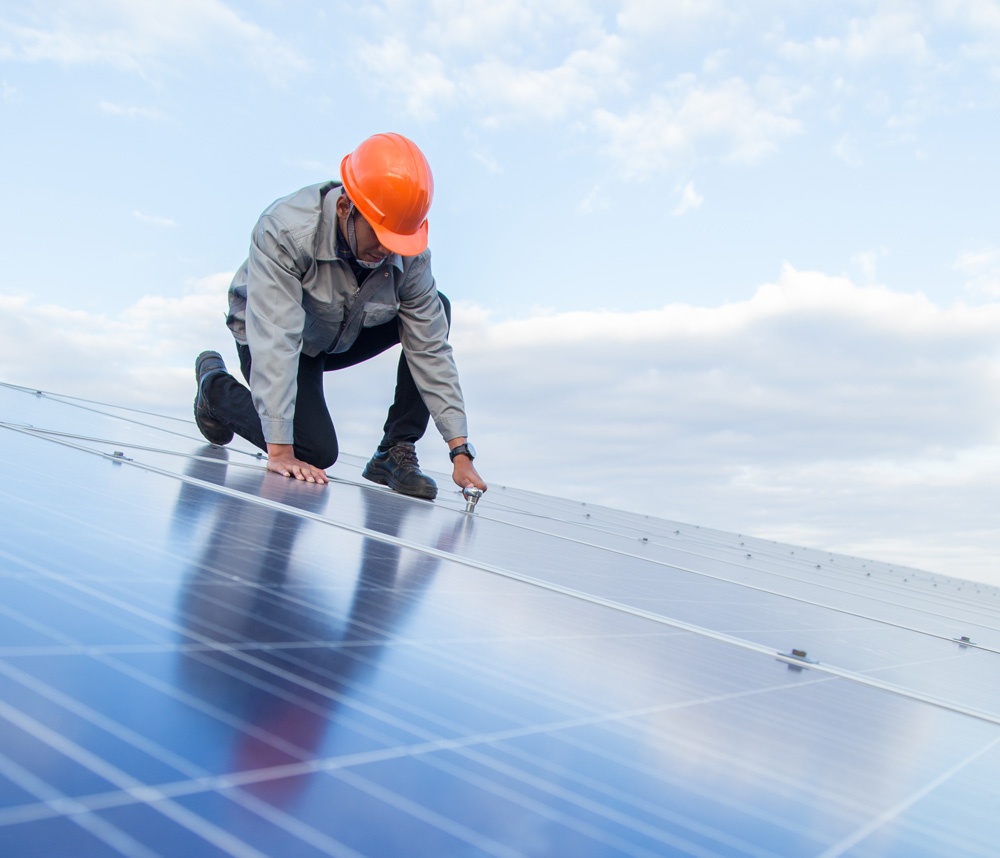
point(343, 206)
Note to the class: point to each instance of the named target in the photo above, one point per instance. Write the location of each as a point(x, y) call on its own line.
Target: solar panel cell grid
point(200, 659)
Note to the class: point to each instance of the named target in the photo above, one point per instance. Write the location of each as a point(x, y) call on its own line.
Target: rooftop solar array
point(198, 658)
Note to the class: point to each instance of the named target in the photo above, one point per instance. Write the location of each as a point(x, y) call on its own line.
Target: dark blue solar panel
point(198, 658)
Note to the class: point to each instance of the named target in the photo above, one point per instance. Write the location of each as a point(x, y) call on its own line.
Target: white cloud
point(846, 417)
point(492, 87)
point(478, 28)
point(419, 79)
point(478, 25)
point(139, 35)
point(596, 200)
point(847, 150)
point(491, 164)
point(546, 93)
point(692, 120)
point(689, 200)
point(890, 34)
point(981, 17)
point(142, 354)
point(497, 60)
point(982, 268)
point(716, 61)
point(656, 18)
point(867, 262)
point(856, 414)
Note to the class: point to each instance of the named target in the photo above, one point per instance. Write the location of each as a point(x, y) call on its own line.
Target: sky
point(735, 264)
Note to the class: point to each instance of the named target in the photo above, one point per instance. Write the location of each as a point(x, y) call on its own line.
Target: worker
point(337, 273)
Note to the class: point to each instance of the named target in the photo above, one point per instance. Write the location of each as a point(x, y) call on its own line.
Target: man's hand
point(464, 474)
point(281, 460)
point(463, 471)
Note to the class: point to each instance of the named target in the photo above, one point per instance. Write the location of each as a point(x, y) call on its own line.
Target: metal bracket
point(472, 496)
point(798, 655)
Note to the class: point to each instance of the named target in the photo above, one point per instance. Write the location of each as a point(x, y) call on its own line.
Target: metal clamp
point(472, 496)
point(799, 655)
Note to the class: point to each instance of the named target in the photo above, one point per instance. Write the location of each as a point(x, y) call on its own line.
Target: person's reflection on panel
point(264, 648)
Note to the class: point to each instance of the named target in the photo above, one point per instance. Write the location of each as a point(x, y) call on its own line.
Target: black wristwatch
point(466, 449)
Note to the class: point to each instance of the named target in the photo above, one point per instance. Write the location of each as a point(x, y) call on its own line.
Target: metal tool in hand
point(472, 496)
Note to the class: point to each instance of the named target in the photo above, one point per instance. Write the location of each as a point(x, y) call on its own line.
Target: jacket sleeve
point(423, 332)
point(274, 323)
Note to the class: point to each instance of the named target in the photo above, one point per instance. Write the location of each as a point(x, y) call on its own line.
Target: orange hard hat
point(389, 181)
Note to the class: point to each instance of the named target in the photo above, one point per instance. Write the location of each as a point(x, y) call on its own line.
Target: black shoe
point(206, 366)
point(398, 469)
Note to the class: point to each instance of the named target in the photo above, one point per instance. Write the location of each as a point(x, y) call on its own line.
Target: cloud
point(890, 34)
point(818, 411)
point(478, 28)
point(691, 120)
point(903, 62)
point(479, 25)
point(425, 80)
point(482, 152)
point(979, 18)
point(689, 200)
point(982, 268)
point(656, 18)
point(846, 149)
point(417, 78)
point(893, 33)
point(140, 354)
point(498, 61)
point(141, 35)
point(867, 262)
point(552, 93)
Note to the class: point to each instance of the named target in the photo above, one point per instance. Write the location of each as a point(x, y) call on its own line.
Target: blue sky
point(732, 263)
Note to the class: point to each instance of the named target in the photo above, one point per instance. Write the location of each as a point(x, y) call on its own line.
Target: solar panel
point(199, 658)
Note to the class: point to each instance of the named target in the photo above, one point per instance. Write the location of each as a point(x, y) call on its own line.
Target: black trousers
point(314, 433)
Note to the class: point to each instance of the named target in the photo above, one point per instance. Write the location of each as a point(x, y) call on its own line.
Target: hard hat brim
point(404, 245)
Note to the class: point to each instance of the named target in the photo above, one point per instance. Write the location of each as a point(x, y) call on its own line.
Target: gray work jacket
point(293, 295)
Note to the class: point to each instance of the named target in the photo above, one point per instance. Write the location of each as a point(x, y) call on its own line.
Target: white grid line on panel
point(63, 806)
point(589, 809)
point(54, 438)
point(894, 812)
point(142, 793)
point(576, 594)
point(133, 791)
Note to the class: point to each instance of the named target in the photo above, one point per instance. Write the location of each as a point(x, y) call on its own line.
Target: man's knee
point(321, 455)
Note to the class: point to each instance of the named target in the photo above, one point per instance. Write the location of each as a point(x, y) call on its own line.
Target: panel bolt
point(472, 496)
point(798, 655)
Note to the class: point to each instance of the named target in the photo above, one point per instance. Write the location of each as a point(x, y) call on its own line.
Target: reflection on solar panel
point(201, 659)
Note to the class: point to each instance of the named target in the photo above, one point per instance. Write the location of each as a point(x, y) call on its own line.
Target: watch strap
point(461, 449)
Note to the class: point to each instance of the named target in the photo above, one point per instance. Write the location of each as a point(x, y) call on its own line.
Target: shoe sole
point(211, 430)
point(220, 436)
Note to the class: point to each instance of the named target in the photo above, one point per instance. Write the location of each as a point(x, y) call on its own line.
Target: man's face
point(369, 248)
